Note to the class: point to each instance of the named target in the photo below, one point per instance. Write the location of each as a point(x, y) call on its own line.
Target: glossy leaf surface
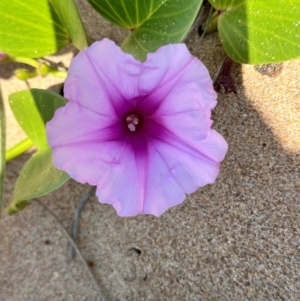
point(154, 23)
point(39, 177)
point(70, 17)
point(32, 109)
point(30, 28)
point(261, 31)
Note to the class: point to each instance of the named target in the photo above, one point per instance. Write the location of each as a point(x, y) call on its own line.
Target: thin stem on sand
point(100, 293)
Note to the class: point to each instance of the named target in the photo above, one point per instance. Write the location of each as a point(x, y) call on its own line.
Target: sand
point(237, 239)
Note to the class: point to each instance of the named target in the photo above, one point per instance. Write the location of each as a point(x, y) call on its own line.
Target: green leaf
point(2, 149)
point(39, 177)
point(261, 31)
point(154, 23)
point(32, 109)
point(30, 28)
point(68, 12)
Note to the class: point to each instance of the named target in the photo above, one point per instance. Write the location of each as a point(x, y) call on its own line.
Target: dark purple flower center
point(133, 121)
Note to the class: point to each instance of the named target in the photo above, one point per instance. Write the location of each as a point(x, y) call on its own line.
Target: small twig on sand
point(219, 70)
point(77, 213)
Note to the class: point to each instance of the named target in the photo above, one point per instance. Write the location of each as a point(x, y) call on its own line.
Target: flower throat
point(133, 121)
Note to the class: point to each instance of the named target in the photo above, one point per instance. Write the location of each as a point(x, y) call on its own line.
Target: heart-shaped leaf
point(70, 17)
point(32, 109)
point(261, 31)
point(154, 23)
point(30, 28)
point(39, 177)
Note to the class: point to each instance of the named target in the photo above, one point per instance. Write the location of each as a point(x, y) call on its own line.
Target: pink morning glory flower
point(140, 132)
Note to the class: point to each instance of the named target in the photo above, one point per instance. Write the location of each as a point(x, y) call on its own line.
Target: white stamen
point(135, 121)
point(131, 127)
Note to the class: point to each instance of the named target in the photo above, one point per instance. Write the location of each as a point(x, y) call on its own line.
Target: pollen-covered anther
point(133, 121)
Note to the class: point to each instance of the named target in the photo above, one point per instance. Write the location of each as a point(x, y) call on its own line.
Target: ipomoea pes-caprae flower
point(139, 131)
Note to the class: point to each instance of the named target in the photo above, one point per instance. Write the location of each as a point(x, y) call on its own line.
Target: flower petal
point(103, 78)
point(181, 114)
point(161, 191)
point(140, 183)
point(212, 146)
point(174, 171)
point(86, 162)
point(85, 125)
point(84, 143)
point(119, 71)
point(123, 184)
point(171, 66)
